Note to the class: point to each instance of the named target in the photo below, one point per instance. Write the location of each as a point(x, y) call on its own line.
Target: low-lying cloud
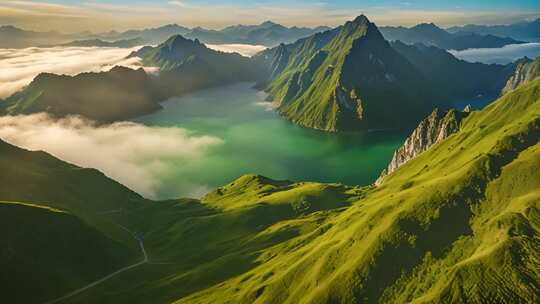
point(503, 55)
point(18, 67)
point(136, 155)
point(247, 50)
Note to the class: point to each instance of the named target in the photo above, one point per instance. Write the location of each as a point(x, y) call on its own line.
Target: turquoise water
point(257, 140)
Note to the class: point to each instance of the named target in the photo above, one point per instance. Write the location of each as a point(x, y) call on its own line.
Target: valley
point(257, 140)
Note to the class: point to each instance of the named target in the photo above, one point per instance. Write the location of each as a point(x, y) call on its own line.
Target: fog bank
point(135, 155)
point(18, 67)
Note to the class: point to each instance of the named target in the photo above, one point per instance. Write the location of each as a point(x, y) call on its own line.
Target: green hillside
point(47, 252)
point(457, 224)
point(120, 93)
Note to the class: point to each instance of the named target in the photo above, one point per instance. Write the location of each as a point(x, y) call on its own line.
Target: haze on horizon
point(104, 15)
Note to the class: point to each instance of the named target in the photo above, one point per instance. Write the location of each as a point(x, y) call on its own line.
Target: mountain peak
point(177, 41)
point(362, 19)
point(428, 27)
point(268, 23)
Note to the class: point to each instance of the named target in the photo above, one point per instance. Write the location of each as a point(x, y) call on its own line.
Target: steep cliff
point(526, 71)
point(435, 128)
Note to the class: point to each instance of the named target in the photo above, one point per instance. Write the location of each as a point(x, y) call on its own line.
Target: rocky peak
point(525, 71)
point(432, 130)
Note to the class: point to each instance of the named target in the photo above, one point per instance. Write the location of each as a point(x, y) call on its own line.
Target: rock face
point(435, 128)
point(526, 71)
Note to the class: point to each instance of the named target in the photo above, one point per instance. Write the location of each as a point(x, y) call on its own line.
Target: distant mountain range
point(272, 34)
point(125, 43)
point(267, 33)
point(528, 30)
point(13, 37)
point(430, 34)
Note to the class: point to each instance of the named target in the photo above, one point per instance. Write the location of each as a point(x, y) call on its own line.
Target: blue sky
point(99, 15)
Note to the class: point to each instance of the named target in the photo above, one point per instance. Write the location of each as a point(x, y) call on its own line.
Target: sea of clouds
point(503, 55)
point(247, 50)
point(18, 67)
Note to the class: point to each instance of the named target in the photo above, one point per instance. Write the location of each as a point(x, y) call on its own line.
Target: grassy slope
point(58, 251)
point(459, 223)
point(49, 252)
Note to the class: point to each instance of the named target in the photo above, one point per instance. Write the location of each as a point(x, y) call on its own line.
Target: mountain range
point(432, 35)
point(456, 223)
point(526, 30)
point(267, 33)
point(13, 37)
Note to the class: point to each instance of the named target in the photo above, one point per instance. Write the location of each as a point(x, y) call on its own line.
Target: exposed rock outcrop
point(435, 128)
point(526, 70)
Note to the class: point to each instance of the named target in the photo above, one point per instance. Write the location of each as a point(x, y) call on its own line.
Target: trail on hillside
point(84, 288)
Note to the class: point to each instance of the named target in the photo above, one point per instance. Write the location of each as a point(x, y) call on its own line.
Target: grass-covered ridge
point(459, 223)
point(464, 228)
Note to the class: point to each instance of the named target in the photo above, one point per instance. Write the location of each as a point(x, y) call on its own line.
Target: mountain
point(452, 78)
point(55, 237)
point(346, 79)
point(127, 43)
point(267, 33)
point(187, 65)
point(432, 35)
point(457, 223)
point(13, 37)
point(147, 36)
point(120, 93)
point(526, 71)
point(527, 30)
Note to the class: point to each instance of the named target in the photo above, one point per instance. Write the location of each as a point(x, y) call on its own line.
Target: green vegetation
point(459, 223)
point(120, 93)
point(50, 251)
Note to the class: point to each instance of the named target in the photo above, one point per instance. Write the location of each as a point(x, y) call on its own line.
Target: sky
point(104, 15)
